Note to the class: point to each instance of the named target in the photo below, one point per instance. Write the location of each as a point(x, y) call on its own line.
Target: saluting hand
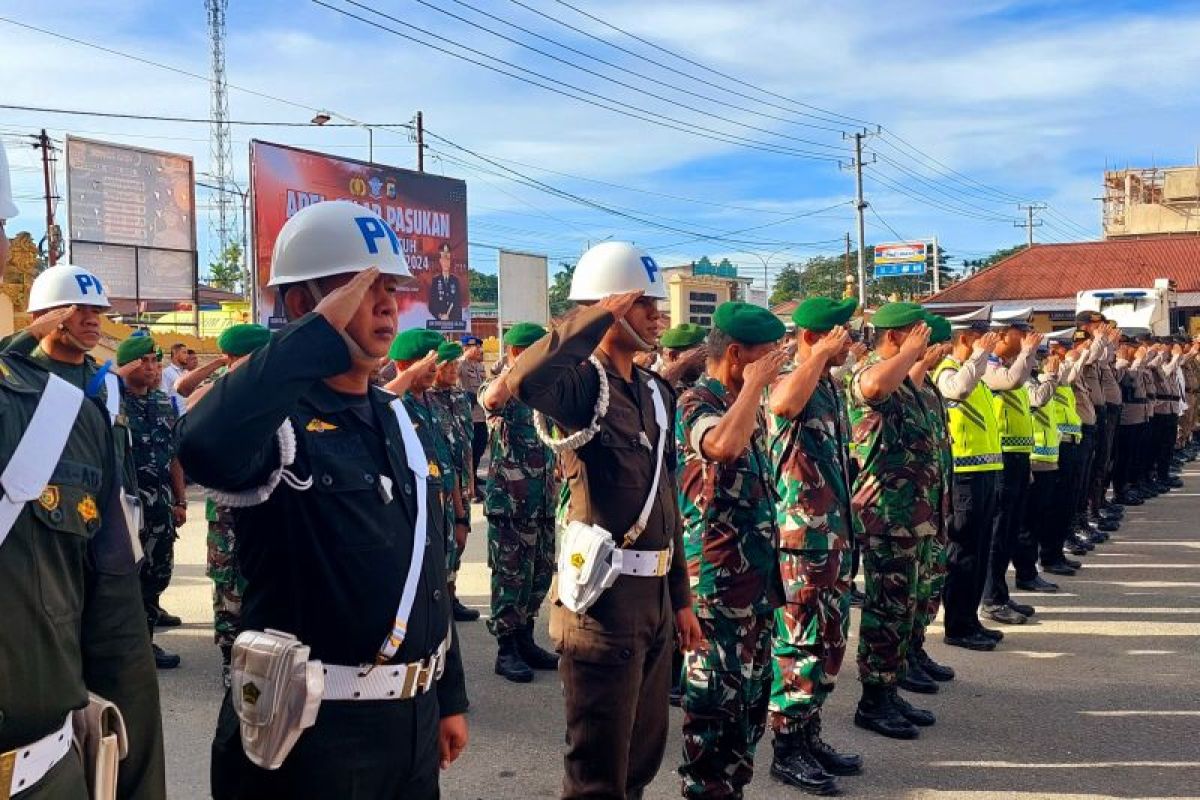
point(831, 343)
point(619, 304)
point(48, 323)
point(915, 343)
point(986, 343)
point(1030, 341)
point(759, 374)
point(858, 350)
point(340, 305)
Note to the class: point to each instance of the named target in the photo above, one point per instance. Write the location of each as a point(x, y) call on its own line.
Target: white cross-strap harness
point(25, 766)
point(33, 462)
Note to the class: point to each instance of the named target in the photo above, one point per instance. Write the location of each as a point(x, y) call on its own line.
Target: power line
point(198, 120)
point(885, 224)
point(934, 202)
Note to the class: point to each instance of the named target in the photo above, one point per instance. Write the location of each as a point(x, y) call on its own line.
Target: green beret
point(897, 315)
point(158, 354)
point(242, 340)
point(821, 314)
point(939, 328)
point(748, 323)
point(414, 344)
point(449, 351)
point(523, 334)
point(134, 348)
point(683, 336)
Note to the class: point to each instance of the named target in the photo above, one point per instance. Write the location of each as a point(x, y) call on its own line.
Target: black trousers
point(1010, 514)
point(1060, 512)
point(479, 442)
point(970, 532)
point(1125, 459)
point(1106, 428)
point(1088, 447)
point(1037, 532)
point(1165, 428)
point(376, 750)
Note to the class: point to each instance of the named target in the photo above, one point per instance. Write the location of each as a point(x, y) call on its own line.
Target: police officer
point(445, 294)
point(321, 471)
point(977, 462)
point(615, 657)
point(522, 489)
point(810, 439)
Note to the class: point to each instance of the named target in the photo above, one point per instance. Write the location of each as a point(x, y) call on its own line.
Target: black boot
point(795, 765)
point(462, 613)
point(509, 663)
point(534, 656)
point(831, 760)
point(916, 679)
point(939, 672)
point(163, 659)
point(917, 716)
point(876, 712)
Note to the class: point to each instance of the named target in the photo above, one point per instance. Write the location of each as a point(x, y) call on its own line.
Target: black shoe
point(991, 633)
point(1106, 513)
point(1060, 568)
point(856, 597)
point(1081, 540)
point(1072, 563)
point(1114, 507)
point(1098, 537)
point(509, 664)
point(1175, 483)
point(531, 654)
point(1038, 584)
point(877, 712)
point(1106, 525)
point(1021, 608)
point(795, 765)
point(831, 760)
point(939, 672)
point(972, 641)
point(917, 716)
point(1130, 499)
point(464, 614)
point(1075, 549)
point(163, 659)
point(1004, 614)
point(916, 679)
point(165, 620)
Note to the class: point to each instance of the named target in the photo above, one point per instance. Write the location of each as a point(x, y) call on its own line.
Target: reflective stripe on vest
point(1014, 419)
point(988, 461)
point(1045, 435)
point(974, 435)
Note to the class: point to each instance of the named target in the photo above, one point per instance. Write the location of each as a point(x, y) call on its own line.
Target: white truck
point(1136, 311)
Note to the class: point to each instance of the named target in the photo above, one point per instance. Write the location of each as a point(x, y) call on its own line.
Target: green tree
point(560, 289)
point(482, 287)
point(226, 272)
point(789, 284)
point(980, 264)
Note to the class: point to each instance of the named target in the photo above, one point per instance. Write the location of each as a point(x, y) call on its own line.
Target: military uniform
point(453, 408)
point(931, 573)
point(325, 557)
point(445, 297)
point(432, 429)
point(616, 656)
point(221, 566)
point(519, 505)
point(152, 418)
point(731, 541)
point(74, 621)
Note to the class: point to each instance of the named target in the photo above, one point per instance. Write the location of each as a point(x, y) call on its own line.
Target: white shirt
point(171, 375)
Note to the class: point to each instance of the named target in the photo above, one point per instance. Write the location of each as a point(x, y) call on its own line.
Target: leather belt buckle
point(663, 560)
point(424, 678)
point(8, 762)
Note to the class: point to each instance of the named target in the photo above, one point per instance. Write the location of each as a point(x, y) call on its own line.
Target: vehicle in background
point(1136, 311)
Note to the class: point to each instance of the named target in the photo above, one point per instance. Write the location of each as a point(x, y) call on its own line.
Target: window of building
point(702, 297)
point(705, 321)
point(702, 308)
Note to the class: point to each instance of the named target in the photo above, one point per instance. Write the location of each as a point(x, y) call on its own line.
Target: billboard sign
point(132, 217)
point(899, 258)
point(427, 212)
point(524, 285)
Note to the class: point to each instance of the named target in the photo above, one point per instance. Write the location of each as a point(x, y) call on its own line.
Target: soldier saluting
point(616, 653)
point(333, 498)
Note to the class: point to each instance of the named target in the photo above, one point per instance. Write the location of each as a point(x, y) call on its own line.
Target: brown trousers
point(616, 675)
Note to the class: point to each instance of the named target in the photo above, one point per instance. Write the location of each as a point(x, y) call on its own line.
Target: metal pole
point(937, 276)
point(861, 207)
point(44, 143)
point(833, 282)
point(1029, 225)
point(370, 144)
point(420, 142)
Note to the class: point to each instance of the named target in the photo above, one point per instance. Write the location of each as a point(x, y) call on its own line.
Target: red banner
point(427, 212)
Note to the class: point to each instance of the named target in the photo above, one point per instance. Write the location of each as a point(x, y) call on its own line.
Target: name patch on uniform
point(319, 426)
point(87, 509)
point(49, 498)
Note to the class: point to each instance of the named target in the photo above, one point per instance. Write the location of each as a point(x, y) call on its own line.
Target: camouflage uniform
point(222, 568)
point(453, 406)
point(931, 575)
point(151, 418)
point(894, 518)
point(519, 504)
point(427, 419)
point(731, 542)
point(815, 540)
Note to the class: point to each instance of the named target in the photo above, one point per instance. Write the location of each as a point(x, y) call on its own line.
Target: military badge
point(49, 498)
point(577, 560)
point(434, 470)
point(87, 509)
point(319, 426)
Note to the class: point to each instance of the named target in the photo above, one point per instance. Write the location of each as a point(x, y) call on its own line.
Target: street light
point(321, 118)
point(766, 263)
point(247, 283)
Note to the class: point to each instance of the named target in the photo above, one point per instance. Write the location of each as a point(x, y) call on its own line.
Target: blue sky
point(982, 104)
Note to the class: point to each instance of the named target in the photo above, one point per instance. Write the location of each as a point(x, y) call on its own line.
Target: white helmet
point(64, 285)
point(8, 209)
point(333, 237)
point(614, 267)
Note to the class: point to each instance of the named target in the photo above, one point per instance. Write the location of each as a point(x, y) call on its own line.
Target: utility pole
point(1030, 223)
point(860, 206)
point(48, 160)
point(937, 269)
point(420, 142)
point(834, 283)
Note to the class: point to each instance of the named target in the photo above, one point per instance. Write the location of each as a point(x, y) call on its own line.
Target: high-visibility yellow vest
point(1070, 426)
point(974, 434)
point(1045, 434)
point(1015, 420)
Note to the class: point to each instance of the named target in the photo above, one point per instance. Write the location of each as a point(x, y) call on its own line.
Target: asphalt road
point(1099, 696)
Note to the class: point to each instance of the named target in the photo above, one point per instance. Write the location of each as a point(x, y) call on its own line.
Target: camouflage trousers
point(931, 577)
point(725, 693)
point(521, 557)
point(228, 583)
point(453, 557)
point(891, 565)
point(158, 542)
point(810, 634)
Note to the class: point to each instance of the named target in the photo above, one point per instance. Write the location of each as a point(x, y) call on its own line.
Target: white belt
point(642, 563)
point(22, 768)
point(385, 681)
